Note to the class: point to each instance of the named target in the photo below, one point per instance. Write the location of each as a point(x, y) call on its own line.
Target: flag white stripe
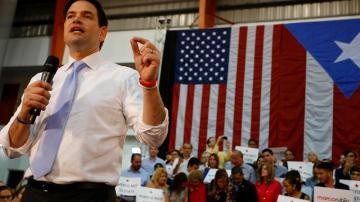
point(195, 126)
point(318, 124)
point(181, 116)
point(248, 85)
point(265, 87)
point(231, 83)
point(211, 129)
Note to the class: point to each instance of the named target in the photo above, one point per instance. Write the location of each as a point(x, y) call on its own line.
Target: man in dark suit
point(242, 190)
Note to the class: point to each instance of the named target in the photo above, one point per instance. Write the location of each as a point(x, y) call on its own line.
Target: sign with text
point(282, 198)
point(305, 168)
point(210, 175)
point(279, 152)
point(145, 194)
point(127, 186)
point(250, 154)
point(354, 187)
point(324, 194)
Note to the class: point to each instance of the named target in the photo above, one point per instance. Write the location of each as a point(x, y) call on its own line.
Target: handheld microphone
point(50, 67)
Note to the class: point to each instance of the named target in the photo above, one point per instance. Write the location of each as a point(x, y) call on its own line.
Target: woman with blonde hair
point(313, 157)
point(158, 181)
point(268, 189)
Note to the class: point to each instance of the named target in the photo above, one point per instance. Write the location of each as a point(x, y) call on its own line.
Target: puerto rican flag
point(293, 85)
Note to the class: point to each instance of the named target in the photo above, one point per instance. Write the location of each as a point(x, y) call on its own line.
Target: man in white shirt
point(187, 150)
point(108, 99)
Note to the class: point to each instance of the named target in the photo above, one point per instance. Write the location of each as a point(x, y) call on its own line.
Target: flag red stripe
point(204, 117)
point(287, 93)
point(174, 113)
point(189, 113)
point(220, 116)
point(346, 116)
point(239, 88)
point(256, 97)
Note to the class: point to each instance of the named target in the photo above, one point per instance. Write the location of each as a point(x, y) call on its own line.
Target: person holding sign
point(158, 181)
point(213, 163)
point(268, 189)
point(325, 175)
point(292, 184)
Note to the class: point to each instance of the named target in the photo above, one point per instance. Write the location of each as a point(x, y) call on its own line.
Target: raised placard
point(250, 154)
point(305, 168)
point(324, 194)
point(127, 186)
point(145, 194)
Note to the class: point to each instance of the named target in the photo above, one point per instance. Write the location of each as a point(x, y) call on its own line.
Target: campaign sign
point(305, 168)
point(354, 187)
point(145, 194)
point(282, 198)
point(127, 186)
point(279, 152)
point(324, 194)
point(210, 175)
point(250, 154)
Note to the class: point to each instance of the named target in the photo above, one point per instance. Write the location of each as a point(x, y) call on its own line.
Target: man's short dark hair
point(193, 161)
point(102, 19)
point(355, 168)
point(325, 165)
point(135, 154)
point(237, 170)
point(267, 150)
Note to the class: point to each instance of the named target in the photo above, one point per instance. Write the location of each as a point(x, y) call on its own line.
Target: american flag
point(282, 84)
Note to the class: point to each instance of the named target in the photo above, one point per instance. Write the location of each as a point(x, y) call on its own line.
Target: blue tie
point(50, 141)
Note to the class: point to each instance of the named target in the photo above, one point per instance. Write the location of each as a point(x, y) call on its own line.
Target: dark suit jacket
point(245, 192)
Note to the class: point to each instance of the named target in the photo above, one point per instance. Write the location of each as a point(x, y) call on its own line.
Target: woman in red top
point(268, 189)
point(197, 189)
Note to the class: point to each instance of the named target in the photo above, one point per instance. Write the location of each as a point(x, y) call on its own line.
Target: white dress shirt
point(108, 100)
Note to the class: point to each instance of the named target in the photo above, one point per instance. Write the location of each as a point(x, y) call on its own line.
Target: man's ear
point(103, 33)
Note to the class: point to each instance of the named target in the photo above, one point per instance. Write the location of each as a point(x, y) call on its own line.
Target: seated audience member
point(252, 143)
point(268, 157)
point(158, 181)
point(204, 160)
point(268, 189)
point(168, 157)
point(135, 170)
point(148, 163)
point(292, 185)
point(237, 160)
point(184, 160)
point(344, 171)
point(193, 164)
point(313, 157)
point(5, 194)
point(289, 156)
point(213, 163)
point(312, 181)
point(241, 189)
point(219, 190)
point(324, 173)
point(178, 191)
point(196, 187)
point(173, 165)
point(355, 172)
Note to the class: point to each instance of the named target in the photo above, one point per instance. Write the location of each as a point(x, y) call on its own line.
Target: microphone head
point(51, 64)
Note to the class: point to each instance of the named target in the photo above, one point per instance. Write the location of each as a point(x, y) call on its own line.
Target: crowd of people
point(181, 177)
